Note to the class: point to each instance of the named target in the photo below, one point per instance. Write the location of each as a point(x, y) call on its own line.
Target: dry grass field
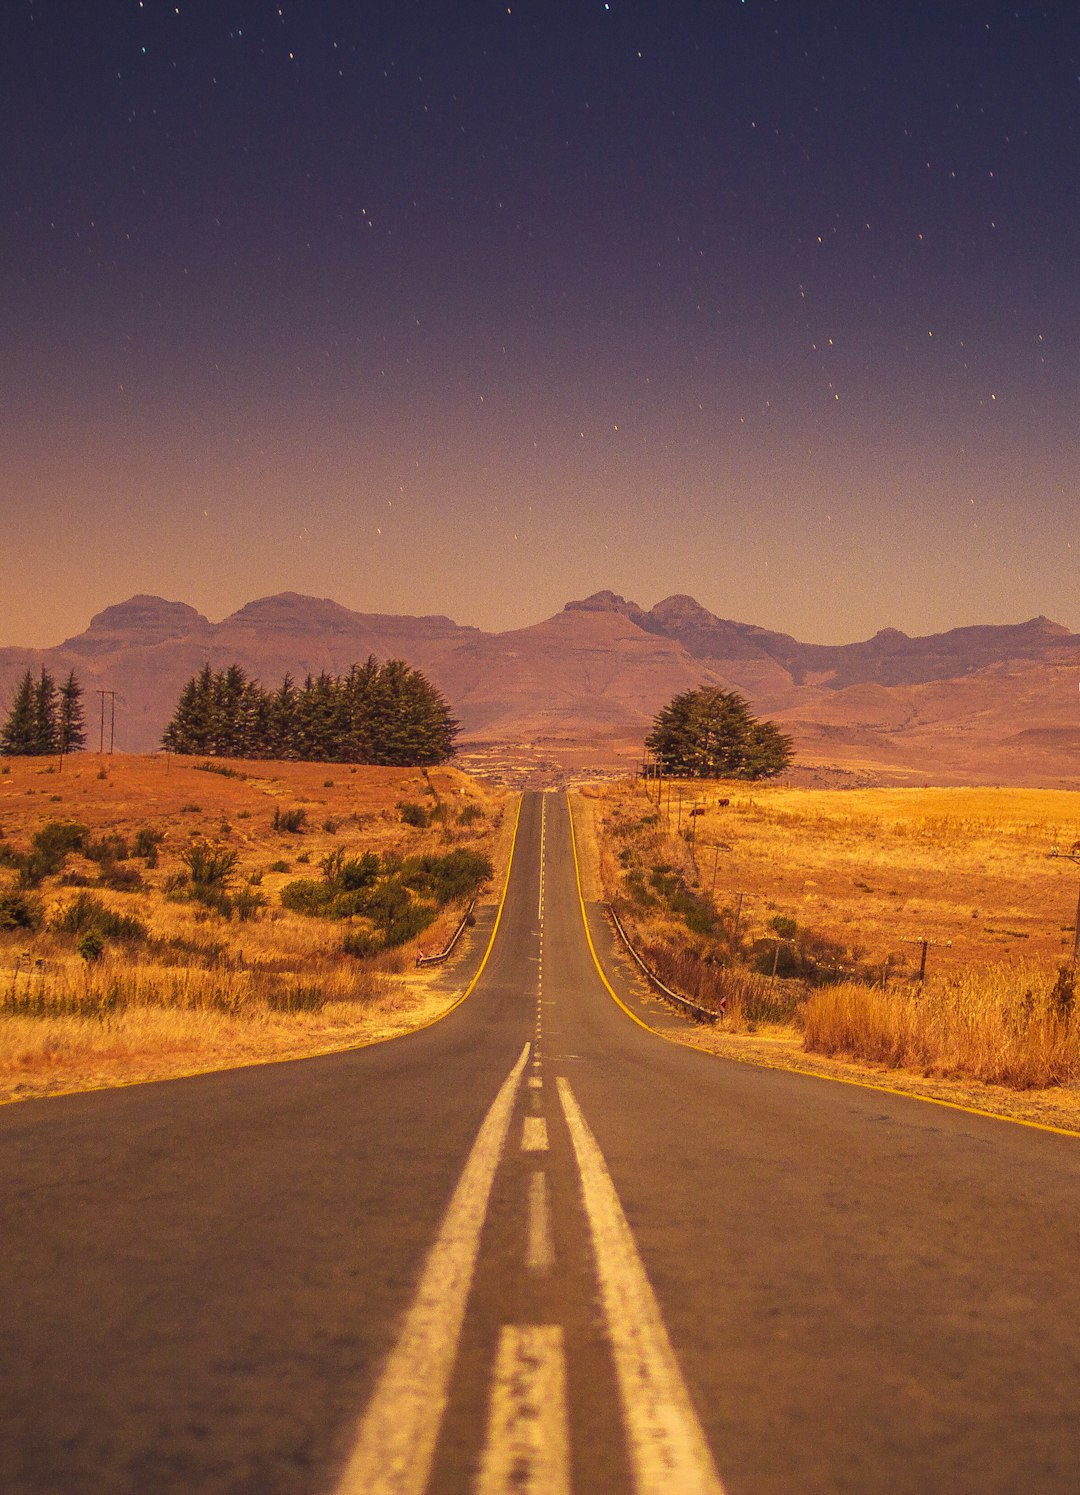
point(835, 890)
point(117, 965)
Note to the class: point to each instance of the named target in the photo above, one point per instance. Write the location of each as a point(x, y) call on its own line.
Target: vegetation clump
point(85, 912)
point(44, 718)
point(712, 734)
point(378, 714)
point(395, 898)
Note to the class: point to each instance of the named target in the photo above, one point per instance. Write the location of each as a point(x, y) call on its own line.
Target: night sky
point(473, 308)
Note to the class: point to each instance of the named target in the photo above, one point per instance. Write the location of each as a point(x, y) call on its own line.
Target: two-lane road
point(534, 1247)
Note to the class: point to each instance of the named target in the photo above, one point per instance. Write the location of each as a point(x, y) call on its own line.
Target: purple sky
point(474, 308)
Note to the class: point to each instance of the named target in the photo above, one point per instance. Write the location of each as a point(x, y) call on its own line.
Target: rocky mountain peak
point(607, 602)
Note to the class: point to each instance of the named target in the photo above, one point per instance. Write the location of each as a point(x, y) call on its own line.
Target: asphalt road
point(534, 1247)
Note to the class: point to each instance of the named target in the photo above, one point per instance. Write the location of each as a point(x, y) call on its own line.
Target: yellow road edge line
point(930, 1100)
point(349, 1048)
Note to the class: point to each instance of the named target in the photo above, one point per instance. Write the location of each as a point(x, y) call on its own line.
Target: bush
point(91, 946)
point(456, 874)
point(306, 896)
point(469, 814)
point(210, 864)
point(247, 904)
point(412, 813)
point(219, 768)
point(362, 944)
point(86, 912)
point(147, 841)
point(122, 879)
point(292, 821)
point(112, 848)
point(49, 850)
point(19, 910)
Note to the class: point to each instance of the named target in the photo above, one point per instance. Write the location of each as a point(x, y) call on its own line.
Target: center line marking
point(668, 1448)
point(534, 1134)
point(528, 1439)
point(395, 1442)
point(539, 1244)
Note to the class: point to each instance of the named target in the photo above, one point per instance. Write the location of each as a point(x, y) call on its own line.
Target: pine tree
point(46, 735)
point(18, 733)
point(711, 733)
point(192, 727)
point(387, 714)
point(70, 728)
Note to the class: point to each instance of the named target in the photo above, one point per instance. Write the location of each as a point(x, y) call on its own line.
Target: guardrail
point(704, 1014)
point(434, 960)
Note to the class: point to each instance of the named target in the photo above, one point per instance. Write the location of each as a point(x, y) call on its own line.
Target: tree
point(374, 714)
point(46, 737)
point(711, 733)
point(70, 729)
point(17, 736)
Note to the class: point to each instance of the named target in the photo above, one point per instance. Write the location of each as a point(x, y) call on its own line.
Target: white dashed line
point(539, 1244)
point(528, 1442)
point(534, 1134)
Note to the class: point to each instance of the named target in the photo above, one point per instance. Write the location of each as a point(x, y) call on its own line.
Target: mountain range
point(989, 703)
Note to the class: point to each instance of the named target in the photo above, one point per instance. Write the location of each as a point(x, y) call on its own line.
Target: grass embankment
point(161, 917)
point(834, 891)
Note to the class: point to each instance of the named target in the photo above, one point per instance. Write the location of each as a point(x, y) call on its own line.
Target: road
point(534, 1247)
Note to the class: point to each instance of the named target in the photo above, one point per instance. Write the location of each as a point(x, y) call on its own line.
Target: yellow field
point(876, 868)
point(205, 990)
point(854, 881)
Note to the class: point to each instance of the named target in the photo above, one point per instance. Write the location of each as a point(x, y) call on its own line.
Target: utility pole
point(112, 721)
point(920, 939)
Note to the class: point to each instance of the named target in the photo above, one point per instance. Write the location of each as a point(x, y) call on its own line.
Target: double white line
point(395, 1442)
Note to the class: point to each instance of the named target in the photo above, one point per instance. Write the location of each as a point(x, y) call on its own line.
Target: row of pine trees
point(383, 714)
point(45, 717)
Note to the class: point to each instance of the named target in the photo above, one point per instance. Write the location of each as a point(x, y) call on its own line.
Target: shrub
point(146, 843)
point(210, 864)
point(111, 848)
point(49, 850)
point(292, 821)
point(469, 814)
point(91, 946)
point(86, 912)
point(19, 910)
point(361, 944)
point(306, 896)
point(412, 813)
point(247, 904)
point(456, 874)
point(219, 768)
point(122, 879)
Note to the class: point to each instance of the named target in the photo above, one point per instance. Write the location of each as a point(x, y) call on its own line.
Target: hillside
point(974, 704)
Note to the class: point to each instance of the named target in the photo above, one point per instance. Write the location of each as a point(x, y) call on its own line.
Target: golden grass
point(1004, 1025)
point(874, 871)
point(206, 991)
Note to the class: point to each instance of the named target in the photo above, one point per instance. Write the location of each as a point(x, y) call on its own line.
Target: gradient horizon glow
point(476, 308)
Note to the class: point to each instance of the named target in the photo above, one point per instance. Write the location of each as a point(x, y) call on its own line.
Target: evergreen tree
point(18, 734)
point(711, 733)
point(374, 714)
point(70, 728)
point(191, 729)
point(46, 737)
